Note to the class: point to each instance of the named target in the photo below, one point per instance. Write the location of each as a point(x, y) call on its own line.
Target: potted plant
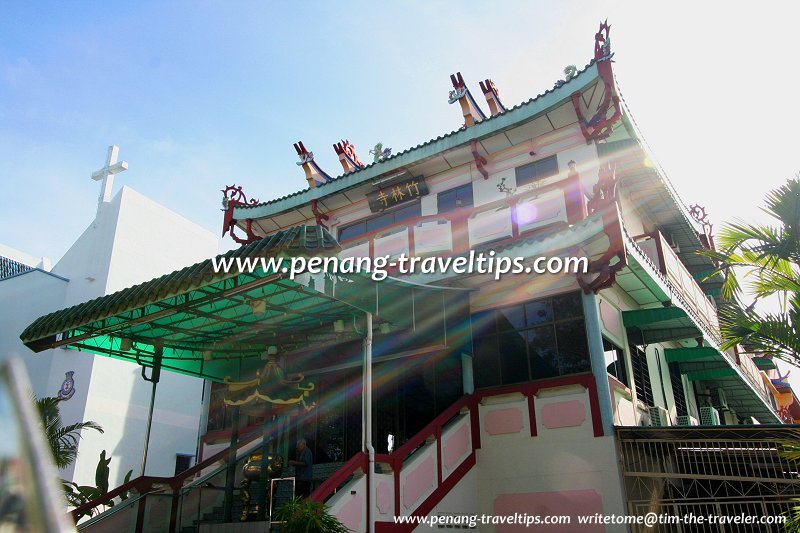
point(305, 516)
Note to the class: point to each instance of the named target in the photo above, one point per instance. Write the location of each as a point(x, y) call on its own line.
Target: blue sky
point(199, 95)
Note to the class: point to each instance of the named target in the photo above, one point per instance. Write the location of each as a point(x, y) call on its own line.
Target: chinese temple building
point(446, 393)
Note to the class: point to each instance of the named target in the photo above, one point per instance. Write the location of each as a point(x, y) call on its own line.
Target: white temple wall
point(579, 476)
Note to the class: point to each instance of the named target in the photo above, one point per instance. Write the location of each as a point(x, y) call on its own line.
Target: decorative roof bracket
point(319, 216)
point(234, 197)
point(601, 125)
point(480, 161)
point(698, 212)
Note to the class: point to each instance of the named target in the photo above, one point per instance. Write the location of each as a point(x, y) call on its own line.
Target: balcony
point(666, 261)
point(694, 307)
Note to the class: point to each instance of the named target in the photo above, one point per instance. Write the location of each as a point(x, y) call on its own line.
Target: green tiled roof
point(213, 325)
point(300, 240)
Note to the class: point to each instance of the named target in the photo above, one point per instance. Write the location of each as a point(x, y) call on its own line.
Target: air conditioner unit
point(687, 421)
point(709, 416)
point(659, 416)
point(729, 417)
point(718, 398)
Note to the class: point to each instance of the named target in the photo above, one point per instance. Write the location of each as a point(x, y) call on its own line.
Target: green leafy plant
point(304, 516)
point(62, 440)
point(78, 495)
point(768, 257)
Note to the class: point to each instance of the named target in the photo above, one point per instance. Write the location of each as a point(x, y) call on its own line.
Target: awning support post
point(155, 376)
point(367, 423)
point(230, 474)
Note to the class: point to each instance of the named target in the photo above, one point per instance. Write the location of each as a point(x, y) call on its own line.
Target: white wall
point(131, 240)
point(148, 241)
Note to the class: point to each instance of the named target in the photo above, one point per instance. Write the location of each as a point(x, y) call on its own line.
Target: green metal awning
point(210, 324)
point(764, 363)
point(660, 324)
point(658, 321)
point(700, 353)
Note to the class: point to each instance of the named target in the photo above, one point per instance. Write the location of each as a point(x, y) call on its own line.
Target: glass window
point(615, 361)
point(485, 362)
point(513, 357)
point(455, 198)
point(537, 170)
point(677, 389)
point(535, 340)
point(542, 352)
point(380, 221)
point(511, 319)
point(573, 347)
point(539, 312)
point(352, 231)
point(567, 306)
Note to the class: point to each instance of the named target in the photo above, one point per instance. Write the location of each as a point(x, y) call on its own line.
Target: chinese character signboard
point(397, 193)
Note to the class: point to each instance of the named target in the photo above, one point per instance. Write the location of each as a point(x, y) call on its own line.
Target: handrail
point(435, 427)
point(143, 484)
point(397, 457)
point(112, 511)
point(359, 460)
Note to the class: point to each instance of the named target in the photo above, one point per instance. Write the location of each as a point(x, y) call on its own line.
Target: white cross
point(107, 173)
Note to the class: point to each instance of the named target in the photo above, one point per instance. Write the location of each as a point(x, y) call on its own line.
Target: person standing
point(303, 466)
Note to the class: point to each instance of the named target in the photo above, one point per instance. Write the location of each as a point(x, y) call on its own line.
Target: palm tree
point(63, 440)
point(769, 257)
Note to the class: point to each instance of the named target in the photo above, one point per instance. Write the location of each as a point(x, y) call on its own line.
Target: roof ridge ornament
point(472, 113)
point(314, 174)
point(602, 43)
point(380, 153)
point(699, 213)
point(601, 125)
point(570, 71)
point(347, 156)
point(492, 96)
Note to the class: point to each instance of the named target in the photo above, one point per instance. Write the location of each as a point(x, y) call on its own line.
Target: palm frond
point(62, 440)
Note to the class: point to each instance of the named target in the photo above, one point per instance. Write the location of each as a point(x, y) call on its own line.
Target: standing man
point(302, 469)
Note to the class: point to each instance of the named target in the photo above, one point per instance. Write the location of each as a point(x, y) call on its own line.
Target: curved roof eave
point(417, 154)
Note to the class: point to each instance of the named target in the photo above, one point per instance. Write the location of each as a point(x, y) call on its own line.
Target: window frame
point(537, 175)
point(364, 222)
point(492, 334)
point(456, 190)
point(619, 362)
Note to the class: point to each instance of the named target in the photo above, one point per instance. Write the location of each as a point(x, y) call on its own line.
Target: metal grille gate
point(708, 471)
